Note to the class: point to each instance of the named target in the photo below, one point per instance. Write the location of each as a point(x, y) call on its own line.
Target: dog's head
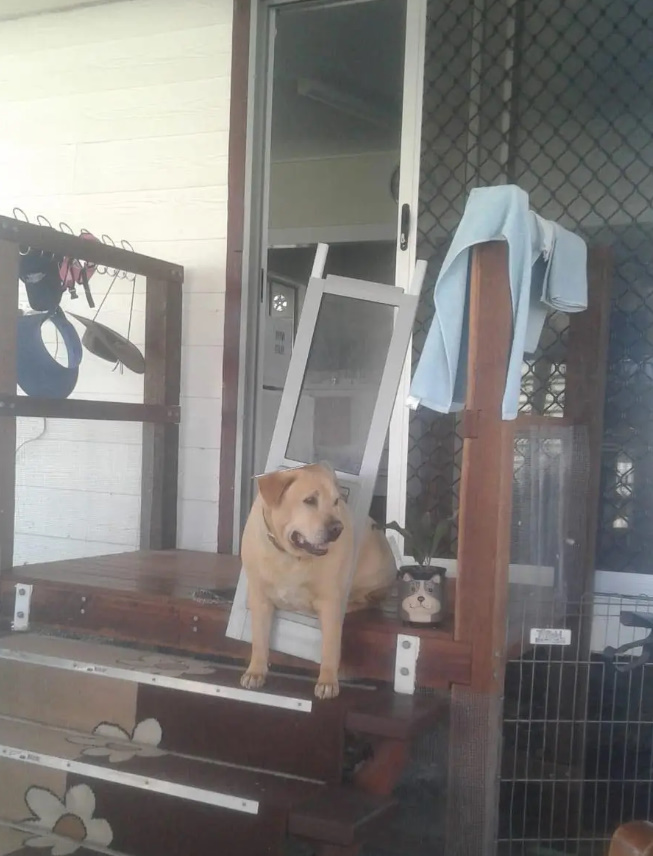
point(303, 508)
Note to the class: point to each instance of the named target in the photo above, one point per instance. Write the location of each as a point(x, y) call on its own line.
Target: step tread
point(14, 835)
point(145, 666)
point(341, 816)
point(369, 710)
point(337, 815)
point(397, 716)
point(199, 778)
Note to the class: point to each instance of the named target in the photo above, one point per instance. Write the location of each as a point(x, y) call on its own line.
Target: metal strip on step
point(118, 777)
point(199, 687)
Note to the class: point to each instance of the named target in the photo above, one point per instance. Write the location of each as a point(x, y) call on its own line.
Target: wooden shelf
point(147, 597)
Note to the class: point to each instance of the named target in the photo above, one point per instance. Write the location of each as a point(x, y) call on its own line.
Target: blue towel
point(546, 269)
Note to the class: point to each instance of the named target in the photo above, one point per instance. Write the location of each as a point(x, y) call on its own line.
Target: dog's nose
point(334, 530)
point(421, 599)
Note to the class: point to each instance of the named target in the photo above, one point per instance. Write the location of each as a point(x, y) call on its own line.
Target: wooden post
point(8, 316)
point(161, 441)
point(587, 357)
point(483, 559)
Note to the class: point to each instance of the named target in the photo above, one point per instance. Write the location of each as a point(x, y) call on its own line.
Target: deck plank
point(147, 597)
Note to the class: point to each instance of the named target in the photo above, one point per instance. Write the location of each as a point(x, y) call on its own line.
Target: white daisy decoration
point(117, 745)
point(170, 667)
point(63, 826)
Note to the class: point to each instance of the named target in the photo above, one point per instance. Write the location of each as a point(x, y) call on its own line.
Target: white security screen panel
point(336, 406)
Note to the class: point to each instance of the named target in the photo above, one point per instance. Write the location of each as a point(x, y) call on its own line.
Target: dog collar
point(271, 537)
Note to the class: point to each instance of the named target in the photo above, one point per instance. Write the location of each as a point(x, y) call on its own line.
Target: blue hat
point(38, 373)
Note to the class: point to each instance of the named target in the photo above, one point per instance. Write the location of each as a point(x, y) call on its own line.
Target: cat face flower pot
point(422, 595)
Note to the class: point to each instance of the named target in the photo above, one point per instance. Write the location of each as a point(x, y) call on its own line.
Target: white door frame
point(254, 269)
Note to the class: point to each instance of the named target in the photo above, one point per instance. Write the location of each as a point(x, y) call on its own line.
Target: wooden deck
point(148, 597)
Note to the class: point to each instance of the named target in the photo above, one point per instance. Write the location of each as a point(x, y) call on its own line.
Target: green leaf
point(441, 531)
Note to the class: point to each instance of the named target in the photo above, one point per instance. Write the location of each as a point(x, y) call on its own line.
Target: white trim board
point(533, 575)
point(624, 584)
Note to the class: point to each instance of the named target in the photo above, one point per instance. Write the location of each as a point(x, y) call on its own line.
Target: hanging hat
point(40, 273)
point(109, 345)
point(38, 373)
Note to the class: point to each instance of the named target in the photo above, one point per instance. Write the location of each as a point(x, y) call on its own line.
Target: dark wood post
point(587, 358)
point(8, 316)
point(483, 560)
point(161, 441)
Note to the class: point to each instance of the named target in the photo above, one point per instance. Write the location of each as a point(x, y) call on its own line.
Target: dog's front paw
point(253, 680)
point(327, 687)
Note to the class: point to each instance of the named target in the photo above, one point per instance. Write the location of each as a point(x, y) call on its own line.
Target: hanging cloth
point(559, 281)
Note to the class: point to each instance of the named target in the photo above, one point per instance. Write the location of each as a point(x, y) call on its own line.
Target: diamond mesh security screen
point(555, 96)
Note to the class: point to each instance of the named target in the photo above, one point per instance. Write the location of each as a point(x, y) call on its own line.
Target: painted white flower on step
point(63, 826)
point(170, 667)
point(117, 745)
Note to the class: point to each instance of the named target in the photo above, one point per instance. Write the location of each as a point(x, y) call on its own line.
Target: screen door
point(336, 406)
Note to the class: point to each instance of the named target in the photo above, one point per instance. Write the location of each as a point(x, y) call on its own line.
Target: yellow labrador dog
point(297, 551)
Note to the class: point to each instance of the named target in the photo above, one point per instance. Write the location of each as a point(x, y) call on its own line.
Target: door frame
point(247, 214)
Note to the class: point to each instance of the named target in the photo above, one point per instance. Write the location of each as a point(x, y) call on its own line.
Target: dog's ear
point(272, 486)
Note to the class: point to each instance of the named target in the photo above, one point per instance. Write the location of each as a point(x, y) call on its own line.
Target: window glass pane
point(341, 383)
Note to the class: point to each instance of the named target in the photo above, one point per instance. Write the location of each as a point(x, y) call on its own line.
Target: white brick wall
point(115, 118)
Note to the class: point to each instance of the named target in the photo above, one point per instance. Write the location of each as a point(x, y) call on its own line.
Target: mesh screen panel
point(555, 97)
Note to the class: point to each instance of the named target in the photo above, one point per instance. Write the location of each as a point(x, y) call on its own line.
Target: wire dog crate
point(577, 757)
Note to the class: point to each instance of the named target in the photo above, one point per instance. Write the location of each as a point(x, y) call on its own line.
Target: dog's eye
point(311, 500)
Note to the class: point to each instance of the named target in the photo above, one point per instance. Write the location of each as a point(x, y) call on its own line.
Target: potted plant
point(421, 587)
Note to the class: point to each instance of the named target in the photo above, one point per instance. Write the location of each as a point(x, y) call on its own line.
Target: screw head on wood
point(405, 644)
point(21, 592)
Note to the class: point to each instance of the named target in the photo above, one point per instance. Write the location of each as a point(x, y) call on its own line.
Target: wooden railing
point(159, 411)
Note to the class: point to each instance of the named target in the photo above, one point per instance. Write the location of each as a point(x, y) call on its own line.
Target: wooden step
point(78, 684)
point(27, 837)
point(129, 788)
point(340, 816)
point(198, 707)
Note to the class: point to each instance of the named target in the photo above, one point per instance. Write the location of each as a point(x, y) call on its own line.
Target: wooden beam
point(483, 558)
point(585, 383)
point(535, 420)
point(8, 318)
point(587, 359)
point(53, 241)
point(234, 273)
point(161, 441)
point(78, 408)
point(487, 473)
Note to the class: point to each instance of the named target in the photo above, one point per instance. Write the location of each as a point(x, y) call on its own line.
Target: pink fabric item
point(70, 270)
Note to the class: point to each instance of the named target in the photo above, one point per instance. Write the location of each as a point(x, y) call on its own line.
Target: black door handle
point(405, 226)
